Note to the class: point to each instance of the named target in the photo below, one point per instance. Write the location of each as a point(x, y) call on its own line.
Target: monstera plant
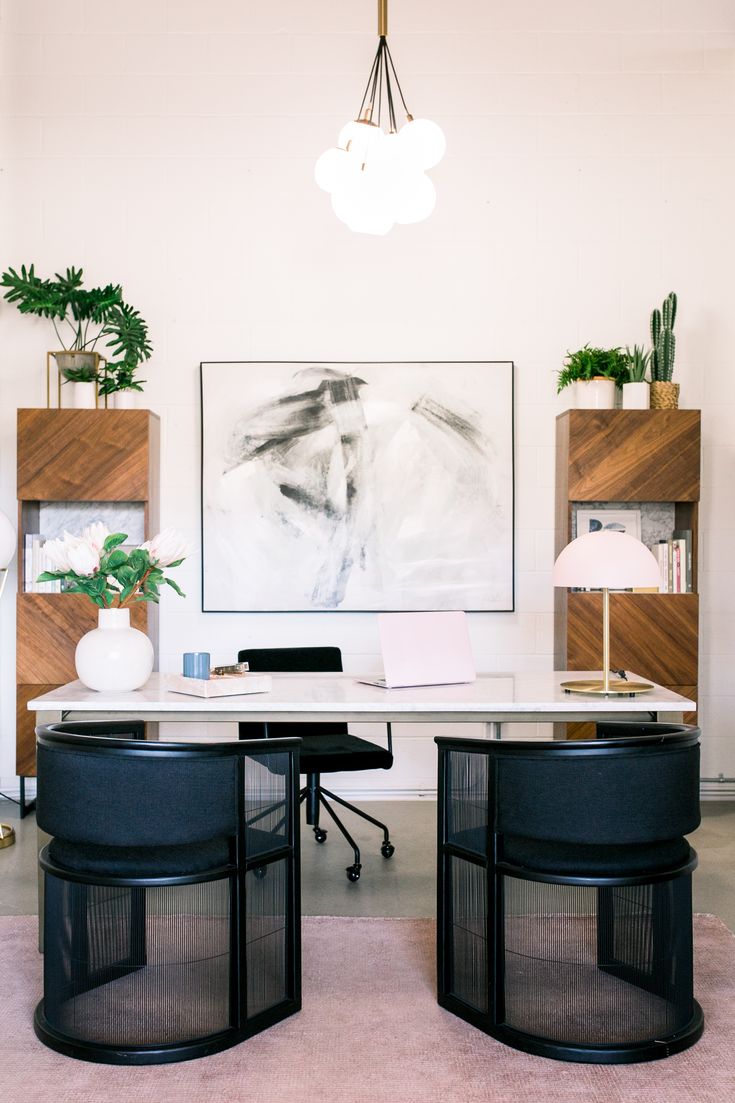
point(82, 318)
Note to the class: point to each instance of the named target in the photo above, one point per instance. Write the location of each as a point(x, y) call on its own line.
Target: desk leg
point(493, 729)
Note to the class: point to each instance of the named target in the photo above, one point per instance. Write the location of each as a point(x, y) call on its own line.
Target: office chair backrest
point(638, 789)
point(326, 660)
point(104, 789)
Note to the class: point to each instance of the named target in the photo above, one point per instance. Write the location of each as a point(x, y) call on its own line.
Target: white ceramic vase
point(83, 395)
point(114, 656)
point(595, 394)
point(636, 396)
point(125, 400)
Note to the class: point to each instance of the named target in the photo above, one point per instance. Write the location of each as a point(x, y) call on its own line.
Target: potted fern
point(596, 374)
point(81, 319)
point(636, 390)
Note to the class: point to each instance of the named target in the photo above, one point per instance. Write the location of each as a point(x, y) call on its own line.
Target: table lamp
point(606, 560)
point(7, 551)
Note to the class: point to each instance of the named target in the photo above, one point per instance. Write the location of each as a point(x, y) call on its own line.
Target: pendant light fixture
point(377, 178)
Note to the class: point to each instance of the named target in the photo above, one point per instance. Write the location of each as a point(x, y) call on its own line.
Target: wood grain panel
point(25, 728)
point(655, 635)
point(633, 455)
point(49, 626)
point(84, 455)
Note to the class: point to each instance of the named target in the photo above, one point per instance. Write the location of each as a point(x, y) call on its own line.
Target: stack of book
point(34, 564)
point(675, 562)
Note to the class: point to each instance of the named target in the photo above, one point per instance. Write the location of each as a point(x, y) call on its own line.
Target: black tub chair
point(564, 891)
point(326, 747)
point(171, 918)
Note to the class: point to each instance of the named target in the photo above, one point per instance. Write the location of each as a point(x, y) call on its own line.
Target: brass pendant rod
point(382, 18)
point(605, 640)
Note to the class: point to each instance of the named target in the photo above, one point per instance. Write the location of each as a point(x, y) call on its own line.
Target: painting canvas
point(357, 486)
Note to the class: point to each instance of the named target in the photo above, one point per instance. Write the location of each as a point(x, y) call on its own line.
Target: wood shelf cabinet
point(623, 456)
point(67, 458)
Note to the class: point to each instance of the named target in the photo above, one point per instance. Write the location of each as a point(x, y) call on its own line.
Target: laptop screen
point(425, 649)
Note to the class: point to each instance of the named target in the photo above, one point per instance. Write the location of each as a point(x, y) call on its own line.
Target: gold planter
point(664, 396)
point(74, 360)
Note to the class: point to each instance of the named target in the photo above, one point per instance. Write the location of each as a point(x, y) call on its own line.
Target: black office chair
point(326, 747)
point(171, 918)
point(565, 913)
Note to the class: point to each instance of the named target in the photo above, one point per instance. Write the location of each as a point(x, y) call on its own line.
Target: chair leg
point(359, 812)
point(353, 871)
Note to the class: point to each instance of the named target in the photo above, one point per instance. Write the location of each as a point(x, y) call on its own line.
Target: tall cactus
point(663, 340)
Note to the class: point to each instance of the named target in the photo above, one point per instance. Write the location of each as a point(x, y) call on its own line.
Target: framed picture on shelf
point(617, 520)
point(357, 486)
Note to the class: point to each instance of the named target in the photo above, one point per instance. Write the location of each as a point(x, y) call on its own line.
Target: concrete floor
point(405, 885)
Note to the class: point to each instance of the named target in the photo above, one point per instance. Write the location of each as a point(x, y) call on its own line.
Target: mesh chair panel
point(600, 971)
point(137, 966)
point(156, 971)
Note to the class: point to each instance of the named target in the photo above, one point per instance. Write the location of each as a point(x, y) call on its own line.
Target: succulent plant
point(638, 361)
point(663, 340)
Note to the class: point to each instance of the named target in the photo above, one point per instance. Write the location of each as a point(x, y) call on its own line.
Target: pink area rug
point(370, 1032)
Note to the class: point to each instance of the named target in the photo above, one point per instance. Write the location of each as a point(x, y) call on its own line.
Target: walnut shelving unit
point(620, 456)
point(71, 456)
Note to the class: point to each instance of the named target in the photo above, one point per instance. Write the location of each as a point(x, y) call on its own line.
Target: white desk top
point(492, 697)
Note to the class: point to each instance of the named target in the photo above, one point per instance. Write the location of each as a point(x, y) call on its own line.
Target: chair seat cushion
point(331, 753)
point(590, 860)
point(140, 861)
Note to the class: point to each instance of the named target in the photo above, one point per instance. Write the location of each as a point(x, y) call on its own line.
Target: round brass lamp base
point(617, 687)
point(7, 835)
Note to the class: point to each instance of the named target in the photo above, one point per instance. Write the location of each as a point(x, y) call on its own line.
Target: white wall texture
point(169, 146)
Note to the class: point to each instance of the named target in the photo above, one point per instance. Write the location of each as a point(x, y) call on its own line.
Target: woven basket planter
point(664, 396)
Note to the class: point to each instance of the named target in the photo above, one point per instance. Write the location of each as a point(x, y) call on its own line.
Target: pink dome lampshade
point(606, 560)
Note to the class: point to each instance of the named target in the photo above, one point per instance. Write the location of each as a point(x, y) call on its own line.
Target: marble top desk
point(493, 699)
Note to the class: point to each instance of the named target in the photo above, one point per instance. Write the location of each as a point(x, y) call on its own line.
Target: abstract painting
point(357, 486)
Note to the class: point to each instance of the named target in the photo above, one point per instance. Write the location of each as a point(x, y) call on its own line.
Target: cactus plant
point(663, 340)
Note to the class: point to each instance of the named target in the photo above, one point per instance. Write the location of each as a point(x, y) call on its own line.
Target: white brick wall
point(590, 169)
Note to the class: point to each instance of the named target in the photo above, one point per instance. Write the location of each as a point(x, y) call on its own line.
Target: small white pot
point(636, 396)
point(114, 656)
point(83, 395)
point(124, 400)
point(595, 394)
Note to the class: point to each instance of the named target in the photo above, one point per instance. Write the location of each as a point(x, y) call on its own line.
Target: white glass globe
point(416, 200)
point(363, 205)
point(330, 168)
point(361, 139)
point(423, 141)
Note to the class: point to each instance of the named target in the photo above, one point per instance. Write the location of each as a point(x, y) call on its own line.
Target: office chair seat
point(326, 747)
point(337, 752)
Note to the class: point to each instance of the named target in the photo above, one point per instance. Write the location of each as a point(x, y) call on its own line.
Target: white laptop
point(424, 649)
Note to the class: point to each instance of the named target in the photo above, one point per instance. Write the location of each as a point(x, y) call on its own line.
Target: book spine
point(27, 565)
point(685, 537)
point(670, 588)
point(662, 554)
point(677, 568)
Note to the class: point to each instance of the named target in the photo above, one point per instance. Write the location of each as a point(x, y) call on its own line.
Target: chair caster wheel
point(320, 835)
point(353, 873)
point(387, 850)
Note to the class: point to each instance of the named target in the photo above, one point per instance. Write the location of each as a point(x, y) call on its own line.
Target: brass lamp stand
point(606, 686)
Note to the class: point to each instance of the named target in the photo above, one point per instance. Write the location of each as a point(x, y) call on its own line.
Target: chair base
point(153, 1055)
point(315, 795)
point(624, 1053)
